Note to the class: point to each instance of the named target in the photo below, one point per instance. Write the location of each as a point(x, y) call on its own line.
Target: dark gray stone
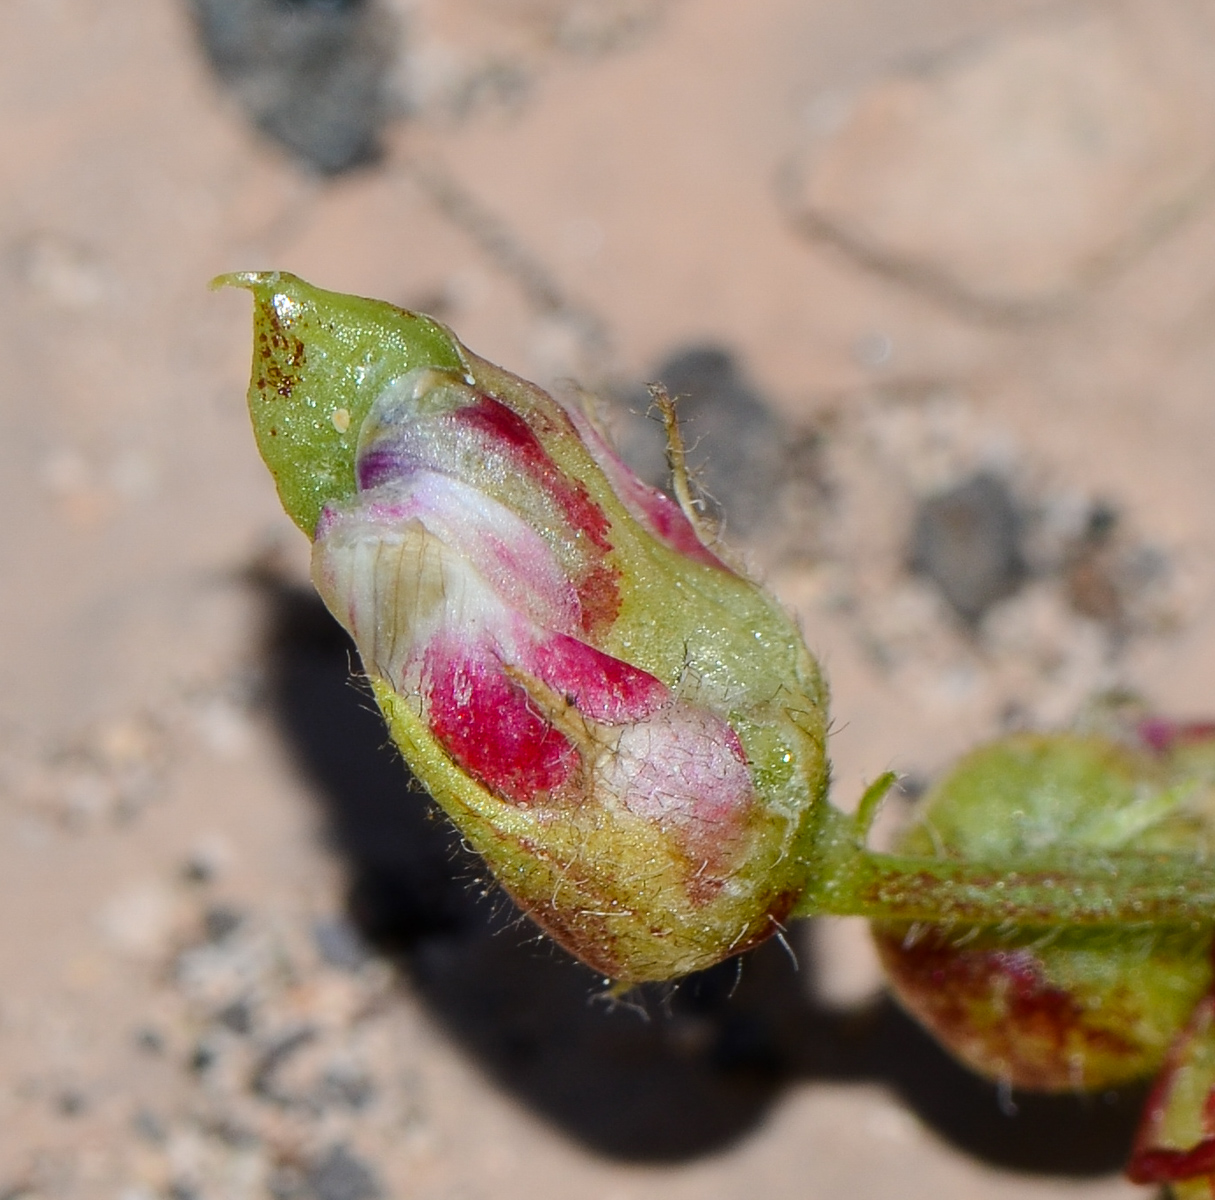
point(237, 1017)
point(339, 1175)
point(967, 541)
point(310, 73)
point(221, 921)
point(339, 943)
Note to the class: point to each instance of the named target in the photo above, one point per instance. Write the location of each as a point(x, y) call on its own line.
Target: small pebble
point(339, 1175)
point(221, 921)
point(150, 1040)
point(149, 1127)
point(203, 1057)
point(206, 861)
point(966, 540)
point(343, 1087)
point(237, 1016)
point(287, 1183)
point(70, 1103)
point(339, 943)
point(263, 1080)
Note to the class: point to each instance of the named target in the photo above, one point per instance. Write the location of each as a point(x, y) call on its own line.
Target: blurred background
point(936, 279)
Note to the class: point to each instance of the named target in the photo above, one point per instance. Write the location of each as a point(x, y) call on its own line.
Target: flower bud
point(1175, 1144)
point(630, 732)
point(1072, 1007)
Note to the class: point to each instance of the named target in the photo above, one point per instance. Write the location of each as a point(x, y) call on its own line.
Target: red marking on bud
point(489, 725)
point(1172, 1166)
point(668, 522)
point(996, 1009)
point(1162, 735)
point(599, 586)
point(734, 744)
point(656, 511)
point(601, 687)
point(507, 428)
point(1166, 1164)
point(598, 598)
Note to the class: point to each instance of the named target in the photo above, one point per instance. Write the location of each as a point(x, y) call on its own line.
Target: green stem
point(1093, 888)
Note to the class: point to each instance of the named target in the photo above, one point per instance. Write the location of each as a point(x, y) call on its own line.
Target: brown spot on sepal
point(278, 351)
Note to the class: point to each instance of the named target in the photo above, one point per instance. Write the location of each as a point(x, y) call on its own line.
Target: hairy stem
point(1081, 888)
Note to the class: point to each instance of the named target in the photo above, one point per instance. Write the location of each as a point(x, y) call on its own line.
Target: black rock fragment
point(967, 541)
point(311, 74)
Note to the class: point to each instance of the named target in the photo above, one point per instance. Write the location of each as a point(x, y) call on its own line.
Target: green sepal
point(320, 359)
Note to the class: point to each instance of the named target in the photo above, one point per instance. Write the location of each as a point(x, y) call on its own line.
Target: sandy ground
point(917, 242)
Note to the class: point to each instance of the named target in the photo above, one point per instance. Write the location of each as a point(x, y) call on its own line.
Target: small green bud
point(1068, 1007)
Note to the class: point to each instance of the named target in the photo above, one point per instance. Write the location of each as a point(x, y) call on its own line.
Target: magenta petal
point(603, 688)
point(488, 724)
point(654, 509)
